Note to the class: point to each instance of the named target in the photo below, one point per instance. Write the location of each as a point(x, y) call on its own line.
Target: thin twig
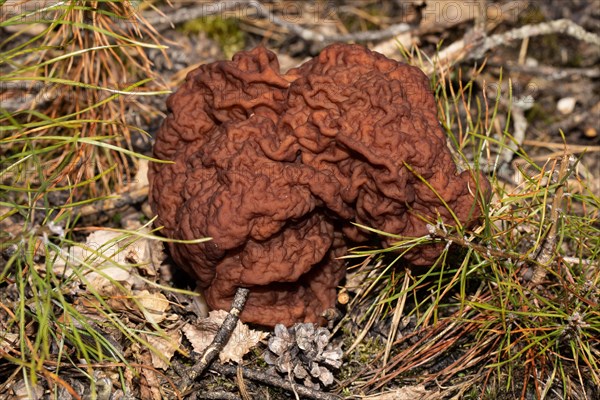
point(579, 260)
point(221, 338)
point(275, 381)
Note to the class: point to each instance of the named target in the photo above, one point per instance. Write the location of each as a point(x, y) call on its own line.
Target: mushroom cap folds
point(276, 167)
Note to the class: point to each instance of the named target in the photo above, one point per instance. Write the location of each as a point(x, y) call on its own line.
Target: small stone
point(590, 132)
point(531, 62)
point(566, 105)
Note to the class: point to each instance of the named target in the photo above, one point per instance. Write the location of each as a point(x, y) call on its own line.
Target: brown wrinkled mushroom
point(275, 167)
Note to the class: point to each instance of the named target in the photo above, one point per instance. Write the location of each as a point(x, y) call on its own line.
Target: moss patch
point(225, 31)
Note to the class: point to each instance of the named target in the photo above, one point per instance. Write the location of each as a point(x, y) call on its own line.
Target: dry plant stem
point(434, 343)
point(274, 381)
point(222, 336)
point(396, 318)
point(545, 253)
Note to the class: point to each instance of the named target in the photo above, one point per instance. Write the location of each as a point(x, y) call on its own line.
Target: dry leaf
point(242, 339)
point(99, 247)
point(150, 386)
point(200, 337)
point(157, 256)
point(8, 341)
point(112, 260)
point(153, 305)
point(165, 348)
point(111, 257)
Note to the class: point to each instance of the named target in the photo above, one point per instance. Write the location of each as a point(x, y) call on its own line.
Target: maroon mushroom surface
point(275, 168)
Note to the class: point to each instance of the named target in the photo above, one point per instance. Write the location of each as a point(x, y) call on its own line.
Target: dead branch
point(221, 338)
point(312, 36)
point(564, 26)
point(170, 19)
point(274, 381)
point(474, 46)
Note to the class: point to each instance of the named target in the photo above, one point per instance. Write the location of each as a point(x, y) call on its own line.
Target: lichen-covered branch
point(222, 336)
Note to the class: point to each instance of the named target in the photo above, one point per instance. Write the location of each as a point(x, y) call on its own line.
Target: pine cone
point(304, 352)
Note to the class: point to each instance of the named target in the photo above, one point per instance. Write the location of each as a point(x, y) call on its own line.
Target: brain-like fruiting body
point(276, 167)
